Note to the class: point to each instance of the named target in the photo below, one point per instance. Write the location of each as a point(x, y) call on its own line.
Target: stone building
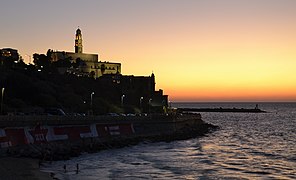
point(90, 64)
point(136, 91)
point(124, 90)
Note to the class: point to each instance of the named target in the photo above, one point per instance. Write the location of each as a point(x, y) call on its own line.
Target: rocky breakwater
point(59, 138)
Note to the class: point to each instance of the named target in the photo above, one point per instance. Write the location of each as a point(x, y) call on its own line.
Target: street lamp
point(91, 102)
point(2, 94)
point(122, 99)
point(150, 100)
point(141, 99)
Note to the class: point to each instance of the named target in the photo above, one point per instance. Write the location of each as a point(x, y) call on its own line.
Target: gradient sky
point(199, 50)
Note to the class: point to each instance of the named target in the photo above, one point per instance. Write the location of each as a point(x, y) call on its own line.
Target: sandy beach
point(12, 168)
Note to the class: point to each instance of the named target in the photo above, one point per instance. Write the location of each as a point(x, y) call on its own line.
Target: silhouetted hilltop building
point(9, 53)
point(138, 91)
point(126, 91)
point(89, 64)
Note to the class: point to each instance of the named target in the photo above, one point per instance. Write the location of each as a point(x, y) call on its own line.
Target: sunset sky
point(199, 50)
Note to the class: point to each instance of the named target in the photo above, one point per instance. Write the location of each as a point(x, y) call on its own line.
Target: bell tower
point(78, 41)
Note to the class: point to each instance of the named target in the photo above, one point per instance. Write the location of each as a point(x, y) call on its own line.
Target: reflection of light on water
point(208, 147)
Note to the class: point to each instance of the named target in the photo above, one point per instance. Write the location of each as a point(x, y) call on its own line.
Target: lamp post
point(141, 99)
point(122, 97)
point(2, 94)
point(150, 100)
point(91, 102)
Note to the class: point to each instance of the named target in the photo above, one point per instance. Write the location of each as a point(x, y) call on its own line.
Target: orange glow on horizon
point(232, 95)
point(222, 50)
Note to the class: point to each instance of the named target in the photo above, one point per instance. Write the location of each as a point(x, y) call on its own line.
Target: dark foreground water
point(248, 146)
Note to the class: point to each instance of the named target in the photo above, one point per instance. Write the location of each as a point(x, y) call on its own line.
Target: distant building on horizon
point(9, 53)
point(90, 64)
point(127, 90)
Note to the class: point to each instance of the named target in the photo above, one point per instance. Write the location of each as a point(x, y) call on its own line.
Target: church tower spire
point(78, 41)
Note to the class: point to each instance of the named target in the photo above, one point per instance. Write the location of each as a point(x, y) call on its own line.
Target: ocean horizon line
point(234, 102)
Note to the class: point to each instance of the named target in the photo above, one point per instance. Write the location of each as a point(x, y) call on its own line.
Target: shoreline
point(15, 168)
point(27, 168)
point(23, 158)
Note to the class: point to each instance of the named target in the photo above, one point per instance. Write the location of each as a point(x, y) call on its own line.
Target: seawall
point(60, 137)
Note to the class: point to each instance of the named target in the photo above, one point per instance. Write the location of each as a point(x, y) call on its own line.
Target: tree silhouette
point(42, 61)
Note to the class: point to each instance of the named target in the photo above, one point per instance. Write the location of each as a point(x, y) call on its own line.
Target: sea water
point(247, 146)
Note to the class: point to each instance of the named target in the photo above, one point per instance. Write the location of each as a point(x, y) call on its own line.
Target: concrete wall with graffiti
point(13, 136)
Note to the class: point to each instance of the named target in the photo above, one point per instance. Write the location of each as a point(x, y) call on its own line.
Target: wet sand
point(21, 169)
